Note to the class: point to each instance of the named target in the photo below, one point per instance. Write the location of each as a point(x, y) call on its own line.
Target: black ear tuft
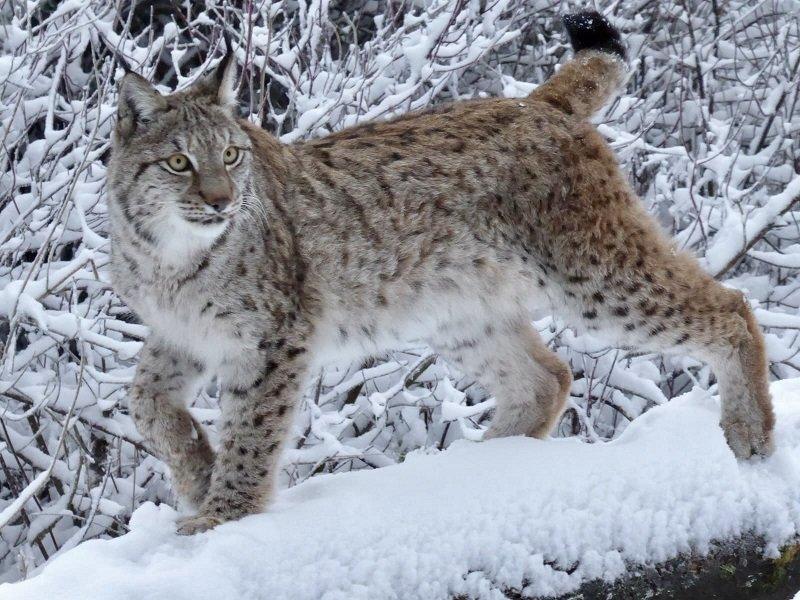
point(591, 31)
point(226, 37)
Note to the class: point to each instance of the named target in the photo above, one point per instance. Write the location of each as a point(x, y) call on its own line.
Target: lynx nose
point(219, 203)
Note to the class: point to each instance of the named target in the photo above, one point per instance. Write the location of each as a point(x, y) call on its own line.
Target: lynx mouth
point(207, 220)
point(207, 231)
point(207, 226)
point(208, 217)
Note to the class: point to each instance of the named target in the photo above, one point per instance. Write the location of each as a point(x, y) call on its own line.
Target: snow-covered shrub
point(708, 130)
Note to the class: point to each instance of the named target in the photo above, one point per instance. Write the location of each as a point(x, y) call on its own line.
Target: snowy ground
point(543, 516)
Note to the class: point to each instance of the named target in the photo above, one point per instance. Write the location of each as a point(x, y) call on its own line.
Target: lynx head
point(180, 163)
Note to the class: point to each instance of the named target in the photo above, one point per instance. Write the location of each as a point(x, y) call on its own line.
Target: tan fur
point(554, 404)
point(583, 85)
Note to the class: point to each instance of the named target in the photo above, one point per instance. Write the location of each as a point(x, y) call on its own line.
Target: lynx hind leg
point(530, 383)
point(747, 419)
point(552, 367)
point(658, 300)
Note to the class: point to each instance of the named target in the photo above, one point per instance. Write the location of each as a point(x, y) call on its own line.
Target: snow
point(790, 257)
point(537, 516)
point(729, 241)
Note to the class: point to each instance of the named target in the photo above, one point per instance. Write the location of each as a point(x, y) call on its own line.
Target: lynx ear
point(139, 103)
point(220, 85)
point(225, 76)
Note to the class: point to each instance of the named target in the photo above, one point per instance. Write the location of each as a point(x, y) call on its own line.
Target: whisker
point(253, 210)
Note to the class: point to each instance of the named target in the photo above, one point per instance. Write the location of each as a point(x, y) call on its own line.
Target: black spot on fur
point(292, 352)
point(634, 287)
point(648, 309)
point(249, 304)
point(458, 145)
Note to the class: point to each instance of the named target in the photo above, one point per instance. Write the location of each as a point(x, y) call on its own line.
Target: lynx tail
point(583, 85)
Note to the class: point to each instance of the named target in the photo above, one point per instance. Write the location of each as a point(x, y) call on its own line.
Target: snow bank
point(475, 519)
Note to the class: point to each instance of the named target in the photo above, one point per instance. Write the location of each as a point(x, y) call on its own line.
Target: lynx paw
point(748, 439)
point(512, 423)
point(197, 524)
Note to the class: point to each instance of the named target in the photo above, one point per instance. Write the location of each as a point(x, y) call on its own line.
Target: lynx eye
point(231, 155)
point(178, 162)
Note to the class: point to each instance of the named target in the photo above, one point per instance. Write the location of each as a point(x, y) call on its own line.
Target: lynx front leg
point(258, 405)
point(165, 380)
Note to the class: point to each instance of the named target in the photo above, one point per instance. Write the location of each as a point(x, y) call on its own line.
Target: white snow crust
point(541, 517)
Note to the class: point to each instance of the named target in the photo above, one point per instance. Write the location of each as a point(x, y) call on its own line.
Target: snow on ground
point(539, 515)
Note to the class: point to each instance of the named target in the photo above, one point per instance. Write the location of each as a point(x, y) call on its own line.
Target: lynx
point(257, 262)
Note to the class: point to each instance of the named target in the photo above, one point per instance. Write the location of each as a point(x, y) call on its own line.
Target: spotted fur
point(448, 226)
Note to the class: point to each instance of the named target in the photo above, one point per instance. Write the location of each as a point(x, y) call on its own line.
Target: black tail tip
point(591, 31)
